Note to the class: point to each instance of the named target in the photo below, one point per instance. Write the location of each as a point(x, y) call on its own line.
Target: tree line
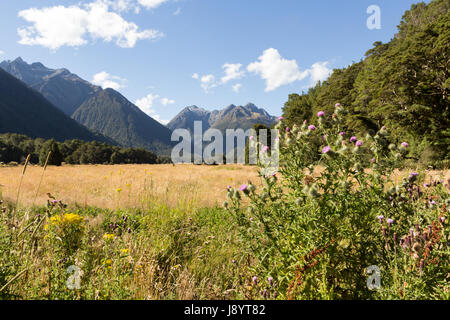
point(15, 148)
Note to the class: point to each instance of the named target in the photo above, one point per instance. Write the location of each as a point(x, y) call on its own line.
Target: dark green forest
point(402, 84)
point(15, 148)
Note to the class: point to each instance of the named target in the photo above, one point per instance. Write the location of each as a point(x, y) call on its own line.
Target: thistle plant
point(334, 209)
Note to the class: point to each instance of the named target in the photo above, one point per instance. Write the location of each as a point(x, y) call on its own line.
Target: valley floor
point(131, 186)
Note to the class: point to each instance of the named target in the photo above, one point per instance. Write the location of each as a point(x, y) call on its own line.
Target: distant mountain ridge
point(104, 111)
point(24, 110)
point(113, 115)
point(64, 89)
point(231, 117)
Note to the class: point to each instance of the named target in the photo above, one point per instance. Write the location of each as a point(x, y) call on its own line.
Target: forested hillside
point(402, 84)
point(24, 110)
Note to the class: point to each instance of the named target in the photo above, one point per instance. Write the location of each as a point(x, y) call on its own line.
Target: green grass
point(159, 254)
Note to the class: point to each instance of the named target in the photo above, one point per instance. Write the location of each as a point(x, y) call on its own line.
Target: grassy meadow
point(132, 231)
point(151, 232)
point(126, 186)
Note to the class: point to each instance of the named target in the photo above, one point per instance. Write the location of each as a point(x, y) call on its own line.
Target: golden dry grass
point(125, 186)
point(108, 186)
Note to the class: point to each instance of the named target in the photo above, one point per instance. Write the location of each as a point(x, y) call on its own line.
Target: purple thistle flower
point(312, 127)
point(359, 143)
point(390, 221)
point(280, 118)
point(270, 279)
point(251, 219)
point(413, 176)
point(265, 149)
point(288, 129)
point(373, 160)
point(426, 185)
point(326, 149)
point(229, 187)
point(342, 133)
point(255, 280)
point(252, 138)
point(243, 187)
point(353, 139)
point(320, 114)
point(405, 144)
point(380, 218)
point(337, 105)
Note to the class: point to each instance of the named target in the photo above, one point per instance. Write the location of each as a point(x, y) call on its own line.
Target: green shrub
point(314, 232)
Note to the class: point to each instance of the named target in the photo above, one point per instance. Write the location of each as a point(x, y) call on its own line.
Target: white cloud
point(177, 12)
point(105, 80)
point(167, 101)
point(208, 82)
point(54, 27)
point(122, 5)
point(2, 52)
point(151, 4)
point(319, 72)
point(158, 118)
point(237, 87)
point(146, 104)
point(276, 70)
point(232, 72)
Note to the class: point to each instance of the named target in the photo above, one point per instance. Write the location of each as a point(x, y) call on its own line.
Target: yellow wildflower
point(109, 236)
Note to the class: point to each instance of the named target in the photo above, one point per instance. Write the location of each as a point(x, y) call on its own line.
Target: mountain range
point(103, 111)
point(231, 117)
point(64, 89)
point(24, 110)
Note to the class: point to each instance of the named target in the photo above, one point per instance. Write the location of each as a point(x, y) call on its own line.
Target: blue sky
point(164, 55)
